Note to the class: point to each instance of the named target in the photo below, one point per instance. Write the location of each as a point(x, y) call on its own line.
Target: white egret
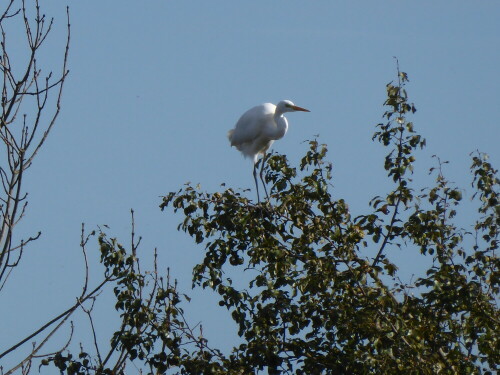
point(257, 129)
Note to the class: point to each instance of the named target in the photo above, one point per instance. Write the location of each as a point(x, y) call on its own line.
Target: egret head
point(288, 106)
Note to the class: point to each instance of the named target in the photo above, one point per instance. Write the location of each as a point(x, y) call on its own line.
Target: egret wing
point(252, 124)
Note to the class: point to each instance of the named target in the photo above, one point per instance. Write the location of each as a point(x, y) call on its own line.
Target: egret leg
point(260, 174)
point(256, 184)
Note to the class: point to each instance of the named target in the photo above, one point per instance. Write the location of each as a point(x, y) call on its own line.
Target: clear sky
point(154, 86)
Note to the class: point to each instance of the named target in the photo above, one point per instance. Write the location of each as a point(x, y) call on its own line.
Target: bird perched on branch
point(257, 129)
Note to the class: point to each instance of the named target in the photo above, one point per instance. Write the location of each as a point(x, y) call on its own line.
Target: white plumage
point(258, 128)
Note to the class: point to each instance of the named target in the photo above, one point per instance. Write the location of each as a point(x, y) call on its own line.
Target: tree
point(310, 299)
point(315, 303)
point(28, 114)
point(31, 102)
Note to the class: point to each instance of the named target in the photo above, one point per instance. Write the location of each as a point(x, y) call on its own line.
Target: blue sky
point(154, 86)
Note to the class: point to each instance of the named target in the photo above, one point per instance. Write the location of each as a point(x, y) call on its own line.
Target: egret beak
point(296, 108)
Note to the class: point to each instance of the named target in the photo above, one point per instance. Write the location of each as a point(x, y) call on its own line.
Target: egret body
point(257, 129)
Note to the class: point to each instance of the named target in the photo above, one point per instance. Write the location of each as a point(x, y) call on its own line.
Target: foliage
point(310, 301)
point(308, 298)
point(153, 330)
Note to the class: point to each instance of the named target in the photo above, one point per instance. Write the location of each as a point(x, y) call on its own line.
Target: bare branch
point(65, 72)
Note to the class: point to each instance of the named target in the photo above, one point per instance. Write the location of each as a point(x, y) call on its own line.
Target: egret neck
point(281, 124)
